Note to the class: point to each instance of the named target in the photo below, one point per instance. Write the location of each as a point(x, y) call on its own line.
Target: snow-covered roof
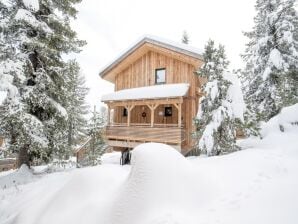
point(149, 92)
point(158, 41)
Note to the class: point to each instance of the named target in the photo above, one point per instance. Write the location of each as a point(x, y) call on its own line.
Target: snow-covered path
point(256, 185)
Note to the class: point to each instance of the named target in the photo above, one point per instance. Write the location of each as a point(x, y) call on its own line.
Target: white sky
point(111, 26)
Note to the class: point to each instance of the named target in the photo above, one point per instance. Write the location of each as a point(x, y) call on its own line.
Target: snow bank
point(21, 176)
point(111, 158)
point(285, 121)
point(162, 187)
point(76, 197)
point(258, 185)
point(149, 92)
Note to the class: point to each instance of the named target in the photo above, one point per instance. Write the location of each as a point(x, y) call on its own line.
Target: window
point(168, 111)
point(124, 112)
point(160, 76)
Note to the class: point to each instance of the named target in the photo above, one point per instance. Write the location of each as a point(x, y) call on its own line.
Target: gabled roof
point(179, 48)
point(148, 92)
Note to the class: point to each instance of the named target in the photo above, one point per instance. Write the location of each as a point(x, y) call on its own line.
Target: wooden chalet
point(156, 95)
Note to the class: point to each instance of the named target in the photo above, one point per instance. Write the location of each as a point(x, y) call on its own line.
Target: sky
point(111, 26)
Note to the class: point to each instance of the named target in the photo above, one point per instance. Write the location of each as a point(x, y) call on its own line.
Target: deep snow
point(255, 185)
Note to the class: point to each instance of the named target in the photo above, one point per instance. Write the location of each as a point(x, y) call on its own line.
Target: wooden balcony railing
point(159, 133)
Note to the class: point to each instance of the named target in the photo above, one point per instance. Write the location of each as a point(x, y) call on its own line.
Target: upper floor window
point(160, 76)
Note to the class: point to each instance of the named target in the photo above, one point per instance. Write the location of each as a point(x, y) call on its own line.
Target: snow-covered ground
point(255, 185)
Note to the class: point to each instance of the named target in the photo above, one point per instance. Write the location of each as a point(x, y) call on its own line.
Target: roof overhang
point(165, 91)
point(178, 51)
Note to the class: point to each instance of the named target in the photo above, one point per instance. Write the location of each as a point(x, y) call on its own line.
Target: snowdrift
point(257, 185)
point(81, 197)
point(285, 121)
point(162, 185)
point(21, 176)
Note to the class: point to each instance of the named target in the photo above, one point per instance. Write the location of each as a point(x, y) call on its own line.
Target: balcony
point(120, 135)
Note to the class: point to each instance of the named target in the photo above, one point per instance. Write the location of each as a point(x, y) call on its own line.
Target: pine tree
point(97, 144)
point(76, 107)
point(270, 78)
point(34, 35)
point(185, 37)
point(218, 118)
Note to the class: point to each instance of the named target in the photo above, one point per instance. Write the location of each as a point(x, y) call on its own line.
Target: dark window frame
point(160, 83)
point(124, 113)
point(168, 111)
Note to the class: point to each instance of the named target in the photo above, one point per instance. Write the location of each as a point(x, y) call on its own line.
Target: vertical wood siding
point(142, 73)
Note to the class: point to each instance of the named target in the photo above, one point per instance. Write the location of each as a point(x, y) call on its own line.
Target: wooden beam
point(179, 115)
point(109, 119)
point(145, 102)
point(152, 108)
point(176, 105)
point(129, 109)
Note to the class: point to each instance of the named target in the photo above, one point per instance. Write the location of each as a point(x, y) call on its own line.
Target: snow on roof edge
point(148, 92)
point(186, 49)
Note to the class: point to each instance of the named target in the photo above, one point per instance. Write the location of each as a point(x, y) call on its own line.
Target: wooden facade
point(137, 68)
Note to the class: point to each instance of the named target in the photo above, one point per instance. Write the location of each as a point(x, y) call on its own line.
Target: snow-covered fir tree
point(222, 106)
point(76, 107)
point(270, 78)
point(97, 144)
point(185, 37)
point(34, 35)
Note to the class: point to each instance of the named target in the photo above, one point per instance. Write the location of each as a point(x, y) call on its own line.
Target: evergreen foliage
point(33, 39)
point(76, 107)
point(217, 119)
point(270, 78)
point(97, 144)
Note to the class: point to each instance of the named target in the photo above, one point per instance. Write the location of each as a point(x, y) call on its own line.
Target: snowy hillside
point(255, 185)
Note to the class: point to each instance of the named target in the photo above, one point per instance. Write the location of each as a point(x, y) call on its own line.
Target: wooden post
point(152, 115)
point(128, 115)
point(108, 115)
point(129, 108)
point(178, 106)
point(179, 115)
point(152, 109)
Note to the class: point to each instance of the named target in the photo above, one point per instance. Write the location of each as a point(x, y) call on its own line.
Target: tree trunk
point(23, 157)
point(70, 135)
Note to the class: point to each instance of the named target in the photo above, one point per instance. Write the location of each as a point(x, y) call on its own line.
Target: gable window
point(160, 76)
